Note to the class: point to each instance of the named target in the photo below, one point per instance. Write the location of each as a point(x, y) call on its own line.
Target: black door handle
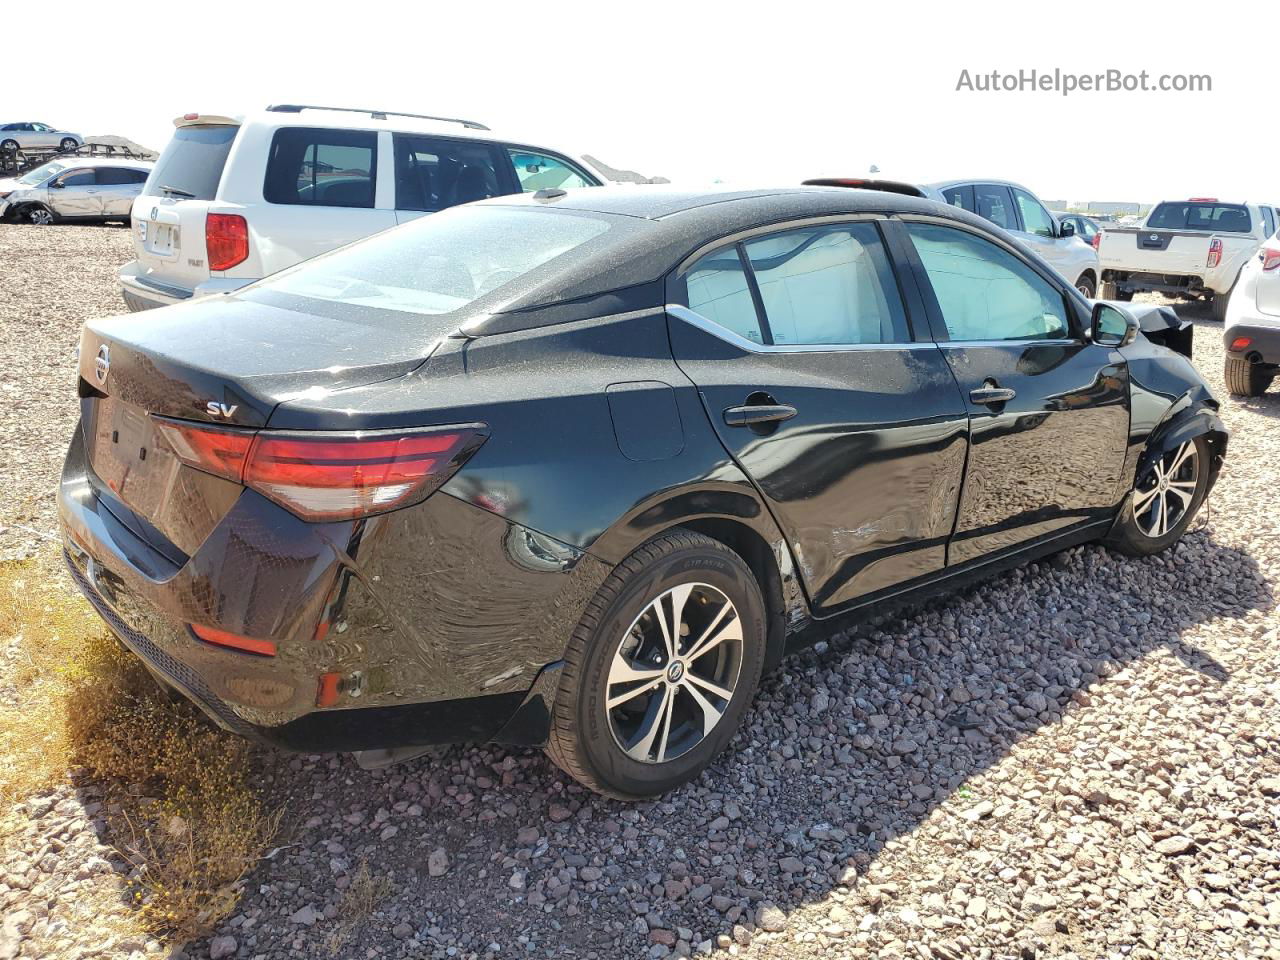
point(991, 394)
point(758, 413)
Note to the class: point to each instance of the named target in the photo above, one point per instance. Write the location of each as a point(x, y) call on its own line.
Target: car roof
point(965, 181)
point(103, 161)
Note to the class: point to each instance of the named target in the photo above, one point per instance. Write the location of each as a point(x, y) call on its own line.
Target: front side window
point(432, 173)
point(719, 290)
point(984, 291)
point(1035, 218)
point(321, 168)
point(992, 203)
point(828, 285)
point(442, 263)
point(79, 178)
point(536, 171)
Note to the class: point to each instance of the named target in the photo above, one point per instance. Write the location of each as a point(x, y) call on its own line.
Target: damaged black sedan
point(574, 469)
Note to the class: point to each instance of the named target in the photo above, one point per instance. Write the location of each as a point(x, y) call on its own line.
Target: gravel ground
point(1077, 759)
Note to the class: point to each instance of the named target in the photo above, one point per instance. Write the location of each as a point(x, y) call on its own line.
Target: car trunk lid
point(226, 361)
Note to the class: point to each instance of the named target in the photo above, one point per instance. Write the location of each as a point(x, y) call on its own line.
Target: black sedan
point(574, 469)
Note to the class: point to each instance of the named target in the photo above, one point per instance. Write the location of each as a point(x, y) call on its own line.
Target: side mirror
point(57, 185)
point(1113, 326)
point(1067, 229)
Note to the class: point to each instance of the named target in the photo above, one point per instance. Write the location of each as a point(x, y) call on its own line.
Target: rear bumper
point(372, 653)
point(1263, 337)
point(143, 291)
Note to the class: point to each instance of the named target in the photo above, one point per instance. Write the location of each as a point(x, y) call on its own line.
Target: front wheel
point(8, 146)
point(39, 215)
point(660, 669)
point(1164, 500)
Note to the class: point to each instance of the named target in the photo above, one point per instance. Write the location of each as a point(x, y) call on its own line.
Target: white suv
point(233, 200)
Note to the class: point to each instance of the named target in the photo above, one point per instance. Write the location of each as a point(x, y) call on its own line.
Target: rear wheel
point(8, 146)
point(660, 669)
point(1245, 379)
point(1086, 286)
point(1220, 301)
point(68, 143)
point(1164, 500)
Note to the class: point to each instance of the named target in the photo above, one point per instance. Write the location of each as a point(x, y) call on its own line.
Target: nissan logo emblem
point(102, 365)
point(1155, 236)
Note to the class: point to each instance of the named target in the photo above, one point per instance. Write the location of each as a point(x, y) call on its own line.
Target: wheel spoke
point(629, 695)
point(710, 715)
point(671, 628)
point(651, 726)
point(624, 671)
point(1184, 451)
point(710, 687)
point(725, 626)
point(1182, 494)
point(1142, 497)
point(1161, 514)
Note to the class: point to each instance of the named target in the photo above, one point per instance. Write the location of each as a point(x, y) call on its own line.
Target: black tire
point(37, 214)
point(68, 143)
point(8, 146)
point(1219, 305)
point(1128, 536)
point(1086, 286)
point(1245, 379)
point(582, 740)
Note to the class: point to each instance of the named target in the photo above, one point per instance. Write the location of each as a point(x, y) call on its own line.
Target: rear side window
point(829, 285)
point(119, 175)
point(192, 162)
point(992, 203)
point(321, 168)
point(961, 196)
point(1225, 217)
point(1268, 220)
point(432, 173)
point(718, 289)
point(537, 171)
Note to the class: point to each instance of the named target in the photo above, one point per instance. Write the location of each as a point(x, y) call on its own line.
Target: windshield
point(40, 174)
point(1226, 217)
point(442, 262)
point(192, 162)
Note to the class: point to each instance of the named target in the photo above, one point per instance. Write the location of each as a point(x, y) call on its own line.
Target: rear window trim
point(1201, 230)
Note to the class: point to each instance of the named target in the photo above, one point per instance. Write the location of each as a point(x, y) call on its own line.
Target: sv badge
point(216, 409)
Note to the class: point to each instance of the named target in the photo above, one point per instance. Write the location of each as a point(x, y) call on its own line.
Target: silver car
point(36, 136)
point(76, 189)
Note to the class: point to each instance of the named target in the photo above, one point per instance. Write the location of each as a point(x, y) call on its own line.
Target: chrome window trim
point(771, 228)
point(695, 319)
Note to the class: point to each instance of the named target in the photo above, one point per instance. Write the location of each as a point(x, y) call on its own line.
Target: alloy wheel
point(69, 144)
point(674, 673)
point(1166, 492)
point(40, 216)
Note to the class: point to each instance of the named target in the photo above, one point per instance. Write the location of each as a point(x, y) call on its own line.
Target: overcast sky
point(745, 93)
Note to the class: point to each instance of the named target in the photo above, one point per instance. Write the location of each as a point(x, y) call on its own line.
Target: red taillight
point(323, 476)
point(215, 450)
point(1241, 343)
point(226, 240)
point(1215, 253)
point(1096, 242)
point(221, 638)
point(1270, 258)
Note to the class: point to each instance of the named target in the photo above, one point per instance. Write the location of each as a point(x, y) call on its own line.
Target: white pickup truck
point(1192, 248)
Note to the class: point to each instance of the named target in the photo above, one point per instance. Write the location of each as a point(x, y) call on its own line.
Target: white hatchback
point(233, 200)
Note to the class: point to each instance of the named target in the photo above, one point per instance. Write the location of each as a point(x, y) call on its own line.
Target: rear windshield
point(441, 263)
point(1224, 217)
point(192, 162)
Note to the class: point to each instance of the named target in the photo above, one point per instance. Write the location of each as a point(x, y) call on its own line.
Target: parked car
point(36, 136)
point(1187, 248)
point(1018, 210)
point(1252, 328)
point(236, 199)
point(74, 189)
point(575, 467)
point(1086, 228)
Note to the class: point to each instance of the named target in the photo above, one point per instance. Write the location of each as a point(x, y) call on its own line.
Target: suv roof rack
point(376, 114)
point(888, 186)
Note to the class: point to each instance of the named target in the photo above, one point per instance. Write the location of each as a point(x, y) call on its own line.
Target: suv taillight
point(226, 240)
point(327, 476)
point(1270, 257)
point(1215, 253)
